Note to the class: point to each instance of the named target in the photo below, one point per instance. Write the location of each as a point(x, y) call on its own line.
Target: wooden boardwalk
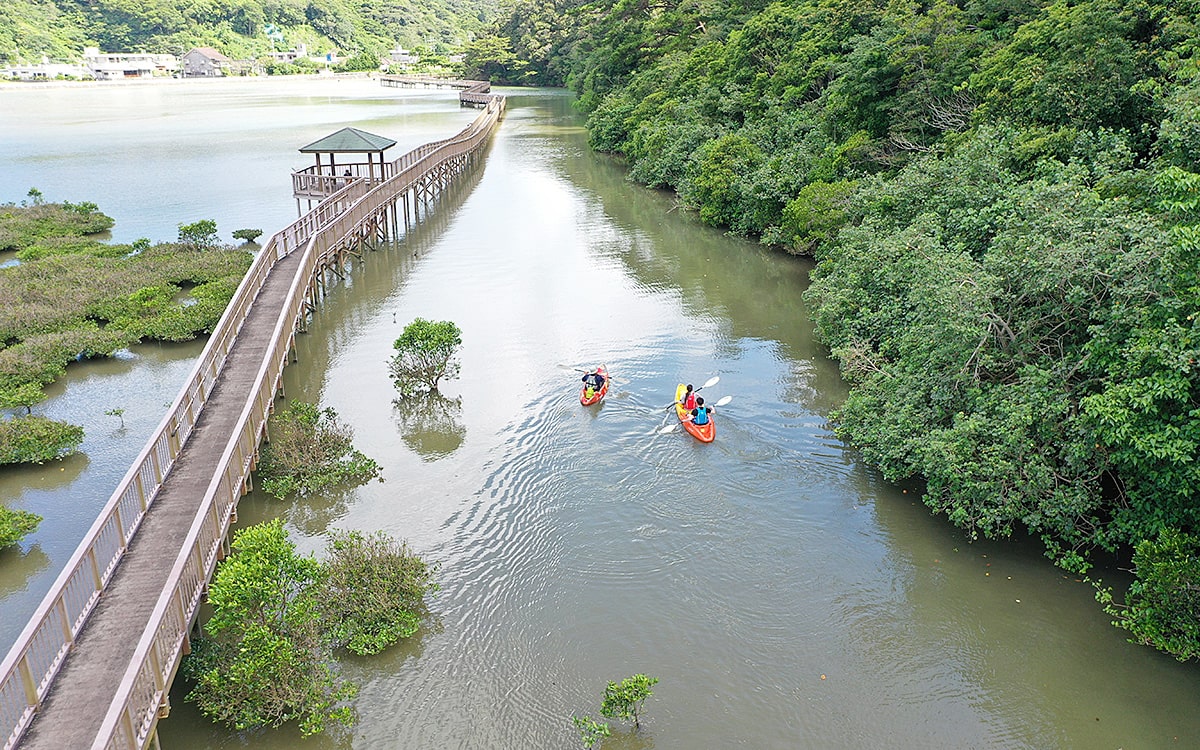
point(94, 666)
point(73, 711)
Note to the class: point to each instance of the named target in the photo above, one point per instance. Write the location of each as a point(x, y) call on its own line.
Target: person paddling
point(701, 414)
point(592, 382)
point(689, 399)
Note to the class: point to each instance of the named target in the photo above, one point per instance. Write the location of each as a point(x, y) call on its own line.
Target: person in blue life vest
point(592, 382)
point(701, 414)
point(689, 399)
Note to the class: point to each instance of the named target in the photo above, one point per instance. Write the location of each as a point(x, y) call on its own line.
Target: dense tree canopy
point(1003, 197)
point(60, 29)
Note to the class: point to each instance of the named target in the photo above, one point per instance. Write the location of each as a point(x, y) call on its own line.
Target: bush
point(267, 654)
point(622, 701)
point(248, 235)
point(1162, 606)
point(814, 216)
point(34, 439)
point(263, 660)
point(15, 524)
point(200, 234)
point(362, 62)
point(424, 355)
point(309, 450)
point(18, 395)
point(374, 591)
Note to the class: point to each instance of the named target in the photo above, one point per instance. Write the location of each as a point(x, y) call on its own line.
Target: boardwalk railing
point(28, 671)
point(315, 182)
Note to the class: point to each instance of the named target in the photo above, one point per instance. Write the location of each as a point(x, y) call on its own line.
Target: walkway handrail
point(349, 224)
point(35, 658)
point(133, 712)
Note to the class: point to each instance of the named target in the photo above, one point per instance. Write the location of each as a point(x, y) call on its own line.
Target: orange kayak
point(705, 433)
point(595, 397)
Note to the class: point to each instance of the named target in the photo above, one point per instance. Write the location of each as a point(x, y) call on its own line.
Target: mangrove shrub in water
point(35, 439)
point(267, 654)
point(310, 449)
point(264, 660)
point(622, 701)
point(374, 590)
point(15, 524)
point(425, 355)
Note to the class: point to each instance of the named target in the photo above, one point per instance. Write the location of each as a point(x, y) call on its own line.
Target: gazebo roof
point(349, 140)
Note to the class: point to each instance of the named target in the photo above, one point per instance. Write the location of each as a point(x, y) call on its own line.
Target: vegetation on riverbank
point(267, 655)
point(68, 297)
point(1004, 202)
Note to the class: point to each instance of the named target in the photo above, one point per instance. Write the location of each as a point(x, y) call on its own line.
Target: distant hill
point(61, 29)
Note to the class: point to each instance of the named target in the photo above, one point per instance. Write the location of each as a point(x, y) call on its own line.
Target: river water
point(782, 592)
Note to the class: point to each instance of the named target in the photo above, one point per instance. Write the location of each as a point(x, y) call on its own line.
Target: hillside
point(61, 29)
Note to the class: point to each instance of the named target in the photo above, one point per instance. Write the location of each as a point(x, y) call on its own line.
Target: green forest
point(241, 29)
point(1003, 201)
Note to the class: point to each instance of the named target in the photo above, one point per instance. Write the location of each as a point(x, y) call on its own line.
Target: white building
point(44, 71)
point(403, 56)
point(292, 55)
point(116, 66)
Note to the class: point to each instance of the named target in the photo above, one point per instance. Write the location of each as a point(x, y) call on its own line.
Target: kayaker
point(689, 399)
point(592, 382)
point(701, 412)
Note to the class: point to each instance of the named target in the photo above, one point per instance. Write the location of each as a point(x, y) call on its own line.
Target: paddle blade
point(667, 429)
point(724, 400)
point(711, 382)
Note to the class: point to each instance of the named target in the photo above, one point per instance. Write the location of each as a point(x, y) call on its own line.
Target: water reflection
point(311, 514)
point(431, 424)
point(629, 738)
point(49, 476)
point(16, 567)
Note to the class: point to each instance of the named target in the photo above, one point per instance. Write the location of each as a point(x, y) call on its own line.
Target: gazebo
point(351, 141)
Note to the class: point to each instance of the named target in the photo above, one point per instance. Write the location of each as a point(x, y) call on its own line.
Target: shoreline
point(167, 80)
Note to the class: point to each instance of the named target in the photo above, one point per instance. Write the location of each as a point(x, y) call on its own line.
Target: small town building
point(292, 55)
point(111, 66)
point(44, 71)
point(403, 56)
point(204, 62)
